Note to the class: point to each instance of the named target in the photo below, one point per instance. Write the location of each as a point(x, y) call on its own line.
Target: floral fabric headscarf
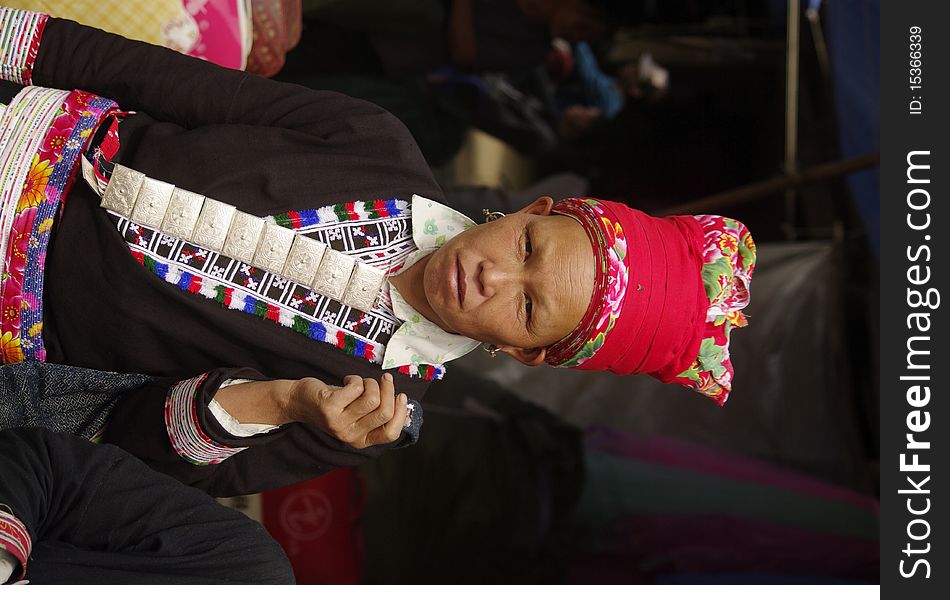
point(667, 294)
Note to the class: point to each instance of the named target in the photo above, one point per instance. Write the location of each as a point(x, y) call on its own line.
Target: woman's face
point(522, 282)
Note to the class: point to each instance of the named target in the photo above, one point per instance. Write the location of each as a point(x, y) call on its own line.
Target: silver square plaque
point(151, 202)
point(363, 287)
point(123, 187)
point(272, 251)
point(213, 224)
point(243, 237)
point(333, 274)
point(303, 260)
point(182, 213)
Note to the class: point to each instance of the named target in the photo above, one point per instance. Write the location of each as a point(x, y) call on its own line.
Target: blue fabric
point(184, 281)
point(318, 331)
point(853, 32)
point(600, 89)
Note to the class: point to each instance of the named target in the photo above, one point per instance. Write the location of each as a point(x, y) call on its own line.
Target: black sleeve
point(290, 454)
point(95, 514)
point(180, 89)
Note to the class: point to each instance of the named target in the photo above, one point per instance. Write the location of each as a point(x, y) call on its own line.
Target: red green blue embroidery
point(339, 213)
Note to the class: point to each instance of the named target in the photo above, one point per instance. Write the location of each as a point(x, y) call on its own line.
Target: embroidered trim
point(423, 371)
point(184, 429)
point(237, 299)
point(378, 232)
point(15, 539)
point(305, 220)
point(91, 110)
point(242, 236)
point(50, 133)
point(347, 306)
point(22, 128)
point(20, 35)
point(240, 286)
point(610, 285)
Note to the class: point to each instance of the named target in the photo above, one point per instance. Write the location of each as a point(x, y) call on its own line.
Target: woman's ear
point(529, 356)
point(541, 206)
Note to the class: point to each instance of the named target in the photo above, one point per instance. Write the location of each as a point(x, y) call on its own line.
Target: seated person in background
point(235, 220)
point(76, 512)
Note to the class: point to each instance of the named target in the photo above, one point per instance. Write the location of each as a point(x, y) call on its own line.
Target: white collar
point(419, 340)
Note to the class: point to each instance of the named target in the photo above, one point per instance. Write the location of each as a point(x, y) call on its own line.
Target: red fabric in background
point(277, 26)
point(316, 523)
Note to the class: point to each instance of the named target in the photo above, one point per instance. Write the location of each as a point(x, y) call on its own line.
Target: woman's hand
point(362, 413)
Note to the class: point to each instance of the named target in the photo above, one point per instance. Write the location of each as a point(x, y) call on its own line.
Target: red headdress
point(667, 293)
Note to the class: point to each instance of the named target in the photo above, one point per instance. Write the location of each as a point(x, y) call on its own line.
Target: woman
point(161, 262)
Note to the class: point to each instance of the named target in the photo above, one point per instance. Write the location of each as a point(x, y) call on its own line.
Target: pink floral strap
point(44, 130)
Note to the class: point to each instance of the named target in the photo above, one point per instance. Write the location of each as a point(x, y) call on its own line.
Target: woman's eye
point(527, 245)
point(527, 308)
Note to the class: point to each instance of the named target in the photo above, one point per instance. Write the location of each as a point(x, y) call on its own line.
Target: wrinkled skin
point(522, 282)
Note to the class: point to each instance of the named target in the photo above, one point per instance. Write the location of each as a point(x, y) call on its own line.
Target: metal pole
point(821, 48)
point(755, 191)
point(791, 109)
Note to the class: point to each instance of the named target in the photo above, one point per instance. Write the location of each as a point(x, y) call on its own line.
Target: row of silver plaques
point(222, 228)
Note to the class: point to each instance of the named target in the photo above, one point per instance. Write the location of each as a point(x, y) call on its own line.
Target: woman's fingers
point(391, 430)
point(384, 410)
point(343, 397)
point(365, 403)
point(365, 412)
point(387, 389)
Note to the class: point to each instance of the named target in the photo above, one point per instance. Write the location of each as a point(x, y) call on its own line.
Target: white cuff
point(7, 565)
point(232, 425)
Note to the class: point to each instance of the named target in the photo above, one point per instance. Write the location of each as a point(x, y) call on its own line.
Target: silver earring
point(491, 215)
point(491, 349)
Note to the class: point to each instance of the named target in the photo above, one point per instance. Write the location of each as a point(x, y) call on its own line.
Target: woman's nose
point(493, 277)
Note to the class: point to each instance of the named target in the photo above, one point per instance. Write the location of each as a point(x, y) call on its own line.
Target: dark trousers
point(98, 515)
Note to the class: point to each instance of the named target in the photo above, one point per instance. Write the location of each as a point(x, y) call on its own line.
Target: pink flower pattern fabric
point(611, 259)
point(728, 263)
point(52, 167)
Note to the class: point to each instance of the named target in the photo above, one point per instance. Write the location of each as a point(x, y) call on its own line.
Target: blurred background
point(763, 110)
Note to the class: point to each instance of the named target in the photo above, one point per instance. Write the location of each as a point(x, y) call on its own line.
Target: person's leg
point(98, 515)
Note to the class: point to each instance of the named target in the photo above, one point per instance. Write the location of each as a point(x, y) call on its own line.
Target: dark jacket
point(263, 146)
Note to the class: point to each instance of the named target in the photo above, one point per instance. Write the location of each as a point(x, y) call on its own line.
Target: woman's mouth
point(460, 284)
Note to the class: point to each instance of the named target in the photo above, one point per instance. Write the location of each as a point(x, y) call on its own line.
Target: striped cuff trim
point(15, 539)
point(184, 429)
point(20, 35)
